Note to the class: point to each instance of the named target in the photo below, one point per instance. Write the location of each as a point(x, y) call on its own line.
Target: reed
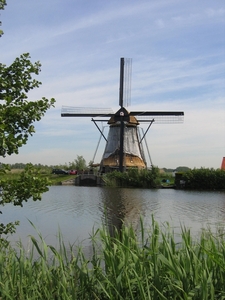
point(127, 265)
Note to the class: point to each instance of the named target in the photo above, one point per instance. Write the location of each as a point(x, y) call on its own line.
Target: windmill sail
point(69, 111)
point(125, 82)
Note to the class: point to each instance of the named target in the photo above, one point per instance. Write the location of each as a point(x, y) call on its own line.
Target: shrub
point(205, 179)
point(134, 178)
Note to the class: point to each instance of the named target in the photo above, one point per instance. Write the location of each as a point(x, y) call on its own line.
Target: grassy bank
point(54, 179)
point(59, 178)
point(152, 266)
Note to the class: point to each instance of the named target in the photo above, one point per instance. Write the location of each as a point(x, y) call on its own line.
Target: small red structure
point(223, 164)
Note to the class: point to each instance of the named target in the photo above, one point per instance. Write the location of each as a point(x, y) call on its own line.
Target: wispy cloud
point(178, 64)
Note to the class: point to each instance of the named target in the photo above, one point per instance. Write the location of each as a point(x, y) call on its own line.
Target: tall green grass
point(128, 265)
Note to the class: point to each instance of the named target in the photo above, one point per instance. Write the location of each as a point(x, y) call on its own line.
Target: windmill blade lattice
point(70, 111)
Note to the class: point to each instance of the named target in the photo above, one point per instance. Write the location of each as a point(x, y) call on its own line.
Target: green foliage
point(2, 4)
point(204, 179)
point(129, 265)
point(17, 114)
point(182, 169)
point(178, 169)
point(78, 164)
point(27, 184)
point(134, 178)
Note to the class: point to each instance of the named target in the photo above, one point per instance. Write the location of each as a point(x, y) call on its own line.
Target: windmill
point(124, 144)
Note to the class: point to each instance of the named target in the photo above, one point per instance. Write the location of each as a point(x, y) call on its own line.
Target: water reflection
point(76, 210)
point(120, 206)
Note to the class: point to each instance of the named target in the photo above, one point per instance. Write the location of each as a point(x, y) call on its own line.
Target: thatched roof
point(129, 161)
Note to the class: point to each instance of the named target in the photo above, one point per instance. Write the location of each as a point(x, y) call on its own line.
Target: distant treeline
point(68, 166)
point(178, 169)
point(78, 164)
point(22, 166)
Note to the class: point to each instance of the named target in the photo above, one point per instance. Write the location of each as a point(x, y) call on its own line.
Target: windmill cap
point(123, 115)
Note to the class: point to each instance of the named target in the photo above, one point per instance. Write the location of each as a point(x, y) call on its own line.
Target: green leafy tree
point(17, 116)
point(80, 163)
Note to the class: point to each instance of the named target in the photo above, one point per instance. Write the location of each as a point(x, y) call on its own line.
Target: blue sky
point(178, 63)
